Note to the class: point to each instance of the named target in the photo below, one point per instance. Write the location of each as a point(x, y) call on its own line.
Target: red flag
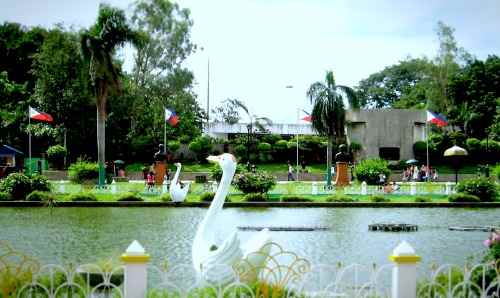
point(40, 116)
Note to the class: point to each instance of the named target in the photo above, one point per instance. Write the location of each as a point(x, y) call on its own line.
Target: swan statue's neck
point(216, 205)
point(176, 176)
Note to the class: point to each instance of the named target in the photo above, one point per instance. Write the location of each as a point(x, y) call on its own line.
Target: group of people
point(416, 173)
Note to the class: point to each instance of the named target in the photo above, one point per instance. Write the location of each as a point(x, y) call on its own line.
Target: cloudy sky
point(258, 47)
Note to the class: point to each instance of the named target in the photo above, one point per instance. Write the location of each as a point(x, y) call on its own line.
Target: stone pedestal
point(342, 178)
point(160, 171)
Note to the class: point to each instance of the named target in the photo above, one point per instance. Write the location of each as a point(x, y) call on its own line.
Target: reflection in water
point(79, 235)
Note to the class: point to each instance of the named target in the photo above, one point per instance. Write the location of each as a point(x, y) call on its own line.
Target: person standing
point(290, 172)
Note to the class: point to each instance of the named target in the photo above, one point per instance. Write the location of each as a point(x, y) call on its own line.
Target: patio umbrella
point(411, 161)
point(456, 154)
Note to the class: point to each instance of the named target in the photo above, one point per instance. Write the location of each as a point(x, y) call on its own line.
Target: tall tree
point(328, 114)
point(99, 44)
point(227, 112)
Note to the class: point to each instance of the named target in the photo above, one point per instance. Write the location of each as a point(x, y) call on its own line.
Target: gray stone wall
point(375, 129)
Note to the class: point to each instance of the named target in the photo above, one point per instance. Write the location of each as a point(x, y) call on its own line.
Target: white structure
point(136, 274)
point(178, 193)
point(212, 260)
point(223, 130)
point(404, 273)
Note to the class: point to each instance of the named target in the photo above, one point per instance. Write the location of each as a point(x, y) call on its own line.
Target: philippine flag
point(305, 116)
point(40, 116)
point(171, 117)
point(437, 119)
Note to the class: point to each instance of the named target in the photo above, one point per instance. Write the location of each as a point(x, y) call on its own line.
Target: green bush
point(82, 197)
point(271, 138)
point(259, 182)
point(56, 155)
point(481, 187)
point(207, 196)
point(496, 171)
point(295, 199)
point(184, 139)
point(369, 169)
point(422, 200)
point(355, 147)
point(5, 196)
point(173, 146)
point(379, 199)
point(281, 145)
point(83, 170)
point(129, 197)
point(40, 183)
point(255, 197)
point(240, 151)
point(420, 150)
point(201, 146)
point(463, 197)
point(17, 185)
point(341, 198)
point(473, 146)
point(264, 147)
point(216, 171)
point(166, 197)
point(40, 196)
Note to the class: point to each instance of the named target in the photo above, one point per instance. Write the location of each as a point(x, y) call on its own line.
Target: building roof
point(6, 149)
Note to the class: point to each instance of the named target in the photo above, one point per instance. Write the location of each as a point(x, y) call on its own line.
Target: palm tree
point(98, 45)
point(328, 114)
point(253, 121)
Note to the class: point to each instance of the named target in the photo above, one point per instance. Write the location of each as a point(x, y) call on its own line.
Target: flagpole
point(297, 137)
point(164, 131)
point(427, 148)
point(29, 139)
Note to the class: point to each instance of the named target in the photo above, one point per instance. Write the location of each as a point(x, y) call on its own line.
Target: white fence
point(284, 275)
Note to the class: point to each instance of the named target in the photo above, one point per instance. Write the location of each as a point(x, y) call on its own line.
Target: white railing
point(285, 274)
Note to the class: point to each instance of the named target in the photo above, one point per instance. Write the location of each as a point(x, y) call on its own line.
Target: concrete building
point(386, 133)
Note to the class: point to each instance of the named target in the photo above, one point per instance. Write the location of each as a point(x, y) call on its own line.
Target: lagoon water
point(81, 235)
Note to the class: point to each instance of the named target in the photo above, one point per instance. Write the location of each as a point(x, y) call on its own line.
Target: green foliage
point(5, 196)
point(226, 112)
point(496, 171)
point(82, 197)
point(83, 170)
point(463, 198)
point(40, 196)
point(259, 182)
point(473, 146)
point(281, 145)
point(255, 197)
point(207, 196)
point(129, 197)
point(166, 197)
point(56, 155)
point(379, 199)
point(422, 200)
point(368, 170)
point(481, 187)
point(40, 183)
point(420, 150)
point(296, 199)
point(17, 185)
point(216, 171)
point(240, 150)
point(355, 146)
point(173, 146)
point(271, 138)
point(341, 198)
point(201, 146)
point(264, 147)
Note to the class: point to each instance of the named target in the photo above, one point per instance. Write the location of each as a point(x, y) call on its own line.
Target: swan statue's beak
point(213, 158)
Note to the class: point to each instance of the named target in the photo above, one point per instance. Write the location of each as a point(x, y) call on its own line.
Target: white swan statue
point(177, 192)
point(213, 261)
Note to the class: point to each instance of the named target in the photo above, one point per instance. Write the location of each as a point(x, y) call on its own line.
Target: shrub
point(130, 197)
point(207, 196)
point(473, 146)
point(83, 170)
point(496, 171)
point(166, 197)
point(56, 155)
point(422, 200)
point(259, 182)
point(173, 146)
point(216, 171)
point(40, 183)
point(420, 150)
point(201, 146)
point(281, 145)
point(40, 196)
point(184, 139)
point(296, 199)
point(481, 187)
point(340, 198)
point(255, 197)
point(271, 138)
point(82, 197)
point(355, 147)
point(240, 151)
point(264, 147)
point(5, 196)
point(379, 199)
point(463, 197)
point(17, 185)
point(369, 169)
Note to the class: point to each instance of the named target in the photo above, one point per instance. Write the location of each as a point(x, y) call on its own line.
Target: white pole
point(136, 274)
point(297, 136)
point(404, 273)
point(427, 148)
point(29, 139)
